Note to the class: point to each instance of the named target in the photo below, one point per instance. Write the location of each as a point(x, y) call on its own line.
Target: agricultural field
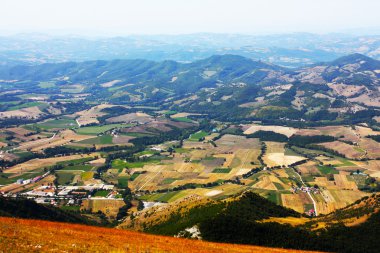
point(95, 130)
point(288, 131)
point(208, 163)
point(91, 115)
point(33, 112)
point(276, 155)
point(54, 124)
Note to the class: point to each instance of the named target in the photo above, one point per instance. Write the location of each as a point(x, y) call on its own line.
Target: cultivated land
point(217, 165)
point(118, 150)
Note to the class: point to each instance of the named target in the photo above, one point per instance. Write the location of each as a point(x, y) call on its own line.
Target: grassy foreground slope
point(18, 235)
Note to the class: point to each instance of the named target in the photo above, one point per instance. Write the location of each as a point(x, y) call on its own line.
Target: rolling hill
point(18, 235)
point(226, 87)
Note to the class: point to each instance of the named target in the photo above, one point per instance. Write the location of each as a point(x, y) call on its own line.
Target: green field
point(87, 175)
point(170, 112)
point(75, 161)
point(344, 161)
point(123, 182)
point(327, 169)
point(79, 167)
point(182, 150)
point(102, 193)
point(57, 123)
point(119, 164)
point(64, 178)
point(104, 139)
point(198, 136)
point(168, 180)
point(71, 208)
point(221, 170)
point(46, 85)
point(134, 176)
point(94, 130)
point(182, 119)
point(26, 105)
point(137, 135)
point(4, 177)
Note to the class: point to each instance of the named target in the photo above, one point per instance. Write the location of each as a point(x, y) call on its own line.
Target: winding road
point(308, 193)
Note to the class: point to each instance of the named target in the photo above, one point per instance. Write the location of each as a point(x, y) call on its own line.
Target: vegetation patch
point(221, 170)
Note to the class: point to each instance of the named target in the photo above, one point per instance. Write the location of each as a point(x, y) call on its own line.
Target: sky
point(124, 17)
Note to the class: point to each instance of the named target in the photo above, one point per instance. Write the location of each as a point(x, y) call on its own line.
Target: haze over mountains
point(290, 50)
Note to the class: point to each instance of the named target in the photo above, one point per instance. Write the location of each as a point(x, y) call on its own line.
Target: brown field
point(275, 155)
point(137, 117)
point(346, 90)
point(345, 149)
point(18, 130)
point(110, 207)
point(243, 158)
point(371, 147)
point(332, 199)
point(343, 183)
point(28, 113)
point(90, 116)
point(60, 139)
point(288, 131)
point(15, 188)
point(266, 182)
point(183, 114)
point(280, 159)
point(293, 201)
point(366, 99)
point(120, 139)
point(40, 163)
point(371, 167)
point(18, 235)
point(309, 168)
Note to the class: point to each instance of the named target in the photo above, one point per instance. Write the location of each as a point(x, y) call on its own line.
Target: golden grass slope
point(18, 235)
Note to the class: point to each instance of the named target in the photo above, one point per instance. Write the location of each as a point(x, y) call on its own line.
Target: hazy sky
point(122, 17)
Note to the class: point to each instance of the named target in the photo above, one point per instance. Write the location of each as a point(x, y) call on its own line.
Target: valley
point(138, 145)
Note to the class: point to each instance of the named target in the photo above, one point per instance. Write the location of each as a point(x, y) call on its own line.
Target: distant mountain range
point(223, 86)
point(289, 50)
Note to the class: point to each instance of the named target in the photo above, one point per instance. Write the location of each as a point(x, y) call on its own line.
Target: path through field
point(308, 193)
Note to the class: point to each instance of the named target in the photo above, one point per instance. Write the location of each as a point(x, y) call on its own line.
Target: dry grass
point(40, 163)
point(293, 201)
point(62, 138)
point(288, 131)
point(19, 235)
point(348, 150)
point(28, 113)
point(90, 116)
point(139, 117)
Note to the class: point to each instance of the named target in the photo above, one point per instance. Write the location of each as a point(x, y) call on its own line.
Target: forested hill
point(227, 87)
point(28, 209)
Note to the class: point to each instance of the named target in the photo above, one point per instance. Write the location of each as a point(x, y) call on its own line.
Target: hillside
point(251, 219)
point(23, 208)
point(18, 235)
point(225, 87)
